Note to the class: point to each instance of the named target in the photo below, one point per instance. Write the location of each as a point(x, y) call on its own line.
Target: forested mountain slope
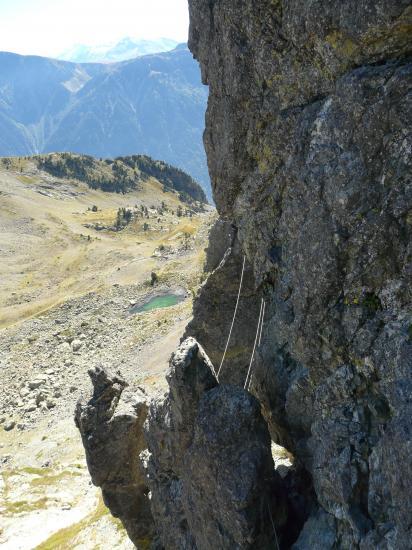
point(151, 105)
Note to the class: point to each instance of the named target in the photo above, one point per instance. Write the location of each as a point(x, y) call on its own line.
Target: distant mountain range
point(125, 49)
point(152, 105)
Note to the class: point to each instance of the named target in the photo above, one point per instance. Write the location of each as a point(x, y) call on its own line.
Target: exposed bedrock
point(210, 467)
point(309, 149)
point(199, 474)
point(214, 308)
point(111, 426)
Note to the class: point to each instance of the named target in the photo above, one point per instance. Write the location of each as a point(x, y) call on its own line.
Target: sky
point(48, 27)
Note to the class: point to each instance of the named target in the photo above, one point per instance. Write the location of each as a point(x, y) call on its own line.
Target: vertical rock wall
point(309, 149)
point(215, 306)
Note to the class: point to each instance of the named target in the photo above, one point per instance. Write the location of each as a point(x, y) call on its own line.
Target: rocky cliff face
point(309, 149)
point(210, 468)
point(224, 263)
point(207, 478)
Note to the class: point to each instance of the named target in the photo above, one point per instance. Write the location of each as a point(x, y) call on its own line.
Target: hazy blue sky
point(47, 27)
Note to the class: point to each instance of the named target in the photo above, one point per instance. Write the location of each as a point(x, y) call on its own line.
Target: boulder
point(76, 345)
point(9, 425)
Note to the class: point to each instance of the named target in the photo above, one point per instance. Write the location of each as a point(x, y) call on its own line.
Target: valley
point(82, 284)
point(154, 104)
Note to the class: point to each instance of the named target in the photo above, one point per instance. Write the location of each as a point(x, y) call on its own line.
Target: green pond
point(158, 302)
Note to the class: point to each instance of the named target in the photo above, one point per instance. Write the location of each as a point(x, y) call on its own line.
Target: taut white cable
point(260, 337)
point(261, 323)
point(234, 316)
point(254, 345)
point(273, 527)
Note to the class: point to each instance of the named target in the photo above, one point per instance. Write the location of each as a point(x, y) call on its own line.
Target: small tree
point(186, 241)
point(153, 278)
point(119, 219)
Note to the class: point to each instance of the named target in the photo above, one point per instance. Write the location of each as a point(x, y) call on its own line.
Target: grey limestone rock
point(309, 146)
point(215, 305)
point(309, 150)
point(229, 474)
point(111, 426)
point(210, 468)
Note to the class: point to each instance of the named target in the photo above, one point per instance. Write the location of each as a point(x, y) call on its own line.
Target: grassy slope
point(46, 253)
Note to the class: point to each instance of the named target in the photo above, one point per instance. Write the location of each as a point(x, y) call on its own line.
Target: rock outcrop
point(210, 467)
point(309, 149)
point(214, 308)
point(208, 463)
point(111, 426)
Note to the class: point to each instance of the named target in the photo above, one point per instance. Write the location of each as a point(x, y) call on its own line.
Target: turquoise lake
point(158, 302)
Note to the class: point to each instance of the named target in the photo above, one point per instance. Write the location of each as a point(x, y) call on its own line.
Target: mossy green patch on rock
point(371, 302)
